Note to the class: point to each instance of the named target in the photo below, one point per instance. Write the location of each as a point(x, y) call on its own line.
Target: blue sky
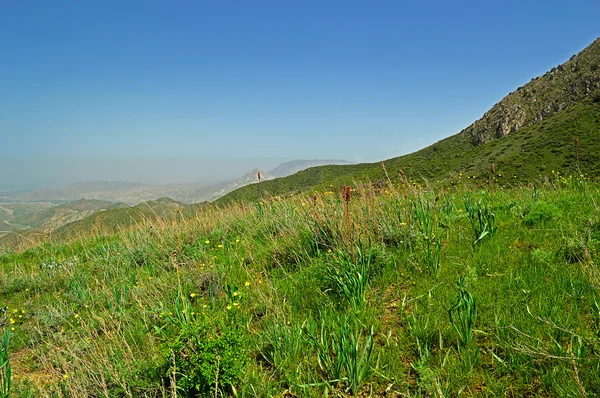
point(253, 83)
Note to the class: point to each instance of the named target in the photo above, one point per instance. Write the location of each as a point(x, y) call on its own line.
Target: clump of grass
point(342, 352)
point(463, 314)
point(348, 277)
point(483, 220)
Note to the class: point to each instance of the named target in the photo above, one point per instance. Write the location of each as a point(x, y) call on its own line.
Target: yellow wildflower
point(247, 284)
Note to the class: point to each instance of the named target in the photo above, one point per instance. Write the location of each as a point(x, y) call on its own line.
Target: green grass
point(288, 297)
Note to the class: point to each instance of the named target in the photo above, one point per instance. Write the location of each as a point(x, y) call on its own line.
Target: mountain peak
point(556, 90)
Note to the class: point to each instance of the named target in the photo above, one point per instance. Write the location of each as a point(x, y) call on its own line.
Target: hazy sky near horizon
point(173, 91)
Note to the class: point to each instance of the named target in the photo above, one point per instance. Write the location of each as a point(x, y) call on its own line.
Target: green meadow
point(389, 289)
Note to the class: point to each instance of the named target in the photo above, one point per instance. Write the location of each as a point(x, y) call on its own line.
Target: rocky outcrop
point(542, 97)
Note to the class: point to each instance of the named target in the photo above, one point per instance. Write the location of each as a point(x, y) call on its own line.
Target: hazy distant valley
point(50, 209)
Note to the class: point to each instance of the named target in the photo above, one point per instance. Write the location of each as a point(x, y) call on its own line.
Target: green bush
point(207, 355)
point(541, 213)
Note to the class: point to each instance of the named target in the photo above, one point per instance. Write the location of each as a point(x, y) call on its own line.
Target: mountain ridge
point(525, 139)
point(545, 95)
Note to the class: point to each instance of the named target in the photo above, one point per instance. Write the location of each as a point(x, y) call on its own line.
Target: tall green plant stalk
point(5, 371)
point(463, 314)
point(492, 177)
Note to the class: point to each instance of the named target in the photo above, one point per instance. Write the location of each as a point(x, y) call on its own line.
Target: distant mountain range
point(132, 193)
point(114, 204)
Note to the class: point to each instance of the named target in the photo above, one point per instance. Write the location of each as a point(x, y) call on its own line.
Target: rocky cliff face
point(555, 91)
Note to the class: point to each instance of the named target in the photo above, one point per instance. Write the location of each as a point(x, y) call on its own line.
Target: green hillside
point(529, 154)
point(58, 216)
point(118, 217)
point(125, 217)
point(529, 132)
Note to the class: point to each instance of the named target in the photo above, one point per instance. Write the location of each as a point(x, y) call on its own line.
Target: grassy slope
point(120, 217)
point(63, 214)
point(85, 313)
point(519, 157)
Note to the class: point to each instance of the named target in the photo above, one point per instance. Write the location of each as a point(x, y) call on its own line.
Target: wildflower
point(235, 294)
point(303, 204)
point(247, 284)
point(220, 246)
point(328, 250)
point(192, 295)
point(66, 376)
point(207, 242)
point(12, 321)
point(228, 307)
point(76, 315)
point(12, 329)
point(237, 241)
point(236, 304)
point(205, 305)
